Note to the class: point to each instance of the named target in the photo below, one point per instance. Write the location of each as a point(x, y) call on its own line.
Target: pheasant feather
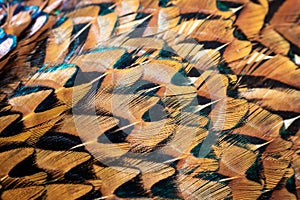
point(159, 99)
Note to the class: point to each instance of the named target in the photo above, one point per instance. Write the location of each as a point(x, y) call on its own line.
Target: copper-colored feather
point(127, 99)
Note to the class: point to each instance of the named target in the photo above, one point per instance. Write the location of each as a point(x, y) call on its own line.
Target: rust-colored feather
point(149, 99)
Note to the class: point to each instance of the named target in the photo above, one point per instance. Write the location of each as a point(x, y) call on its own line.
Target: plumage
point(139, 99)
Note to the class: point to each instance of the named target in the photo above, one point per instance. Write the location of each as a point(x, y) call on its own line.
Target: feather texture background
point(127, 99)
